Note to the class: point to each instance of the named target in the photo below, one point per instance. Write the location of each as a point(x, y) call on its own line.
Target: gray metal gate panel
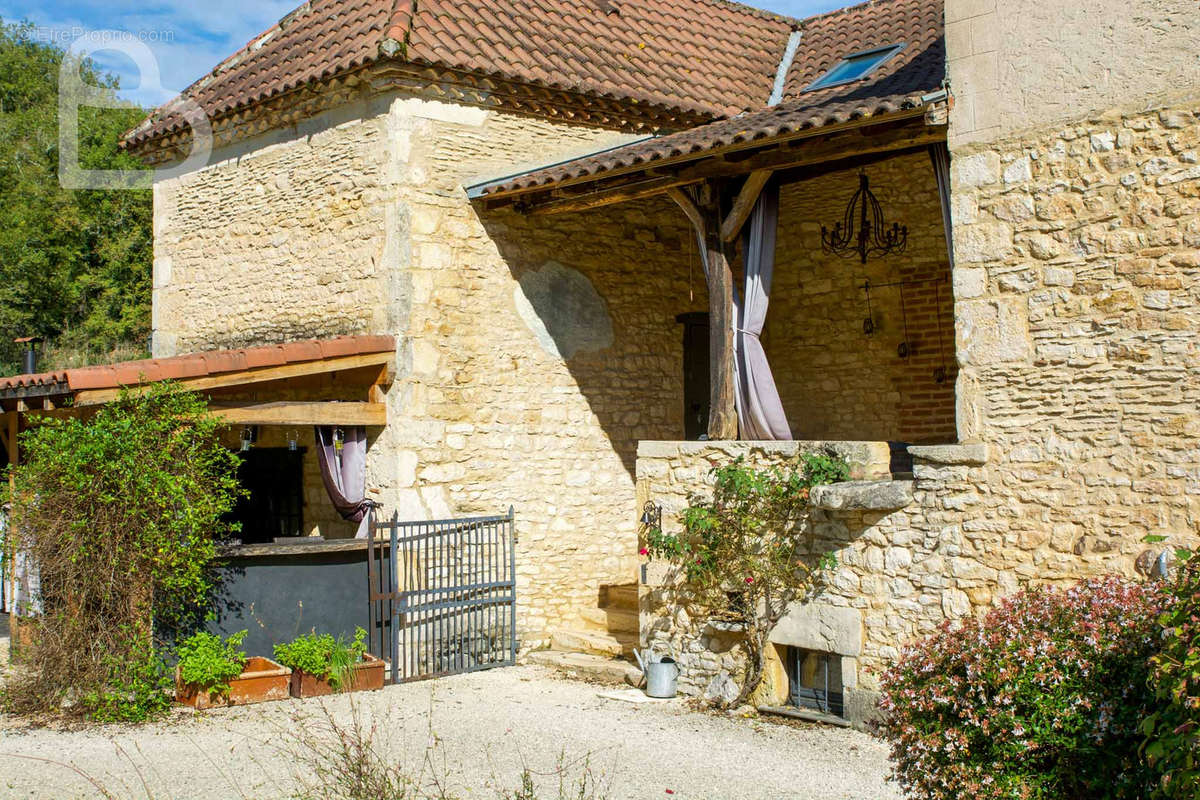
point(443, 595)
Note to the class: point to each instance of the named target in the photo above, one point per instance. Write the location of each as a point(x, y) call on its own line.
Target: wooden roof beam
point(301, 413)
point(87, 397)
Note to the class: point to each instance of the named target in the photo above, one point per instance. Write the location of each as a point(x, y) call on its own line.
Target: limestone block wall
point(281, 238)
point(1078, 301)
point(538, 351)
point(1021, 64)
point(837, 382)
point(900, 573)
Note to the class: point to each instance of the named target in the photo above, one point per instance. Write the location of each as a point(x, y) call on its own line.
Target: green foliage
point(824, 468)
point(324, 657)
point(208, 662)
point(122, 514)
point(747, 547)
point(74, 265)
point(1173, 730)
point(1041, 699)
point(144, 691)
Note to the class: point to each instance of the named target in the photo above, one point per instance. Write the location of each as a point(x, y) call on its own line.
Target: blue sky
point(189, 37)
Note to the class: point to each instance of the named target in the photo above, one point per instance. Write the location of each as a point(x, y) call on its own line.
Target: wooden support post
point(722, 415)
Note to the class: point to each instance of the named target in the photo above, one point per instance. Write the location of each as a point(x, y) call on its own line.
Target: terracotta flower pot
point(365, 676)
point(261, 680)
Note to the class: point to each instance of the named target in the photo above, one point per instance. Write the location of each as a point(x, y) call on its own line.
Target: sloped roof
point(896, 86)
point(706, 57)
point(194, 365)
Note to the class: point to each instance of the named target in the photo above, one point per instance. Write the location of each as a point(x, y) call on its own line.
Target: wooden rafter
point(607, 197)
point(744, 203)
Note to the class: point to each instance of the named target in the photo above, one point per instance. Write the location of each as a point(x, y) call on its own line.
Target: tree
point(743, 555)
point(75, 266)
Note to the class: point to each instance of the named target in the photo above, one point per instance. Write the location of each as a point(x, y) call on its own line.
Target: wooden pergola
point(238, 385)
point(716, 181)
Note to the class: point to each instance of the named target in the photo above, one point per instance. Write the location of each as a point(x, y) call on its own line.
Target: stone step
point(610, 620)
point(587, 667)
point(600, 644)
point(624, 596)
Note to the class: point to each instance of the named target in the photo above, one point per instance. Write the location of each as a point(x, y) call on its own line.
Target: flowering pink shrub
point(1173, 730)
point(1042, 698)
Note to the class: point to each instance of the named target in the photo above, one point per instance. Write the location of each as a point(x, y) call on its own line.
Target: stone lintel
point(821, 627)
point(970, 455)
point(863, 496)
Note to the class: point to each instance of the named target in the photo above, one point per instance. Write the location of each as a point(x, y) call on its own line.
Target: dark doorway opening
point(696, 376)
point(274, 505)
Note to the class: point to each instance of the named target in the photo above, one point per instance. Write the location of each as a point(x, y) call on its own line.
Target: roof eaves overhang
point(478, 190)
point(919, 125)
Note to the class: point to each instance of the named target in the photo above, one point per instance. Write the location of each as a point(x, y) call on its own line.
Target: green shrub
point(1173, 730)
point(209, 663)
point(144, 692)
point(122, 514)
point(1042, 699)
point(324, 657)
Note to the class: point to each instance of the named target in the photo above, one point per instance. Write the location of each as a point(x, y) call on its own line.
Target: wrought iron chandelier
point(862, 231)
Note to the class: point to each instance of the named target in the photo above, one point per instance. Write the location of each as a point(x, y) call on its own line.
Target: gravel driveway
point(483, 728)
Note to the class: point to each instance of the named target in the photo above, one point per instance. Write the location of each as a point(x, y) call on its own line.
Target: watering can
point(662, 676)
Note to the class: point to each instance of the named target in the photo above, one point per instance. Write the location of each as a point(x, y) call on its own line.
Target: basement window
point(816, 681)
point(855, 66)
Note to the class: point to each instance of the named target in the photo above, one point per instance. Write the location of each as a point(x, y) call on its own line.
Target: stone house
point(542, 203)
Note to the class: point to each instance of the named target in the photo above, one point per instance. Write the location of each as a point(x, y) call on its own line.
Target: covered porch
point(819, 303)
point(800, 259)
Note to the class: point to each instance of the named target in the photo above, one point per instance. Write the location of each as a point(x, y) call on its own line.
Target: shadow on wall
point(593, 308)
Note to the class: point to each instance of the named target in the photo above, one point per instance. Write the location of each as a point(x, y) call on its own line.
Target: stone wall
point(282, 240)
point(904, 566)
point(1078, 301)
point(837, 382)
point(1022, 64)
point(542, 350)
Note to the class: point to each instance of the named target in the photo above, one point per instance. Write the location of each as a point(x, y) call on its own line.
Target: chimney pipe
point(29, 357)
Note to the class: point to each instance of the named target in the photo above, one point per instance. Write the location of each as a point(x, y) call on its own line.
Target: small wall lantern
point(249, 437)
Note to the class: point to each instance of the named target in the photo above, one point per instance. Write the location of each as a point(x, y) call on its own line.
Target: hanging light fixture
point(293, 440)
point(862, 231)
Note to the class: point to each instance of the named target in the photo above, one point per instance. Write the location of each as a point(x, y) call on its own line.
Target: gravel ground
point(474, 731)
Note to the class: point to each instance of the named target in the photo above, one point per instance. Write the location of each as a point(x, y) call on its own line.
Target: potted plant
point(322, 665)
point(214, 672)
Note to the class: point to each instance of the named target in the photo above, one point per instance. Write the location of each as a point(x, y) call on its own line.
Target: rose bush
point(1042, 698)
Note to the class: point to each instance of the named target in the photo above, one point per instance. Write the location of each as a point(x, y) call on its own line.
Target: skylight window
point(855, 67)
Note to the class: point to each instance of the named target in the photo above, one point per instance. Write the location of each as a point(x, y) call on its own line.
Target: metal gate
point(443, 595)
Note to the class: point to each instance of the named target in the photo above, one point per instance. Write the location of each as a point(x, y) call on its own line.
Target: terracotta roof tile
point(193, 365)
point(644, 51)
point(897, 85)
